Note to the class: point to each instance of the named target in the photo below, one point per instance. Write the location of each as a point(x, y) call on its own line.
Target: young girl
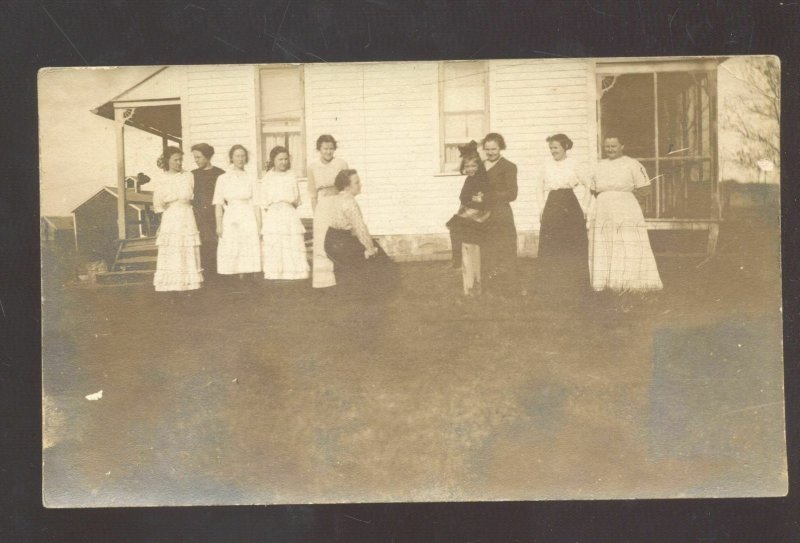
point(178, 241)
point(470, 223)
point(321, 175)
point(238, 221)
point(283, 249)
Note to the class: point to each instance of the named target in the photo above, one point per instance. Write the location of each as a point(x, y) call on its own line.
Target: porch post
point(120, 136)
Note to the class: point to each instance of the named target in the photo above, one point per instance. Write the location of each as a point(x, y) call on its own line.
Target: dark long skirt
point(499, 252)
point(563, 265)
point(374, 278)
point(207, 227)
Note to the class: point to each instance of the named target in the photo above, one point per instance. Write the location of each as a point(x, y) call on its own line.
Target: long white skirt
point(239, 248)
point(282, 246)
point(620, 256)
point(322, 276)
point(178, 242)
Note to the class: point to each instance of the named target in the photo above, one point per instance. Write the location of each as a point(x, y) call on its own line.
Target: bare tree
point(754, 112)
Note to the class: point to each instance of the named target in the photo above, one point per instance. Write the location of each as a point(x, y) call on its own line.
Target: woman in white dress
point(321, 176)
point(283, 248)
point(178, 241)
point(238, 218)
point(620, 256)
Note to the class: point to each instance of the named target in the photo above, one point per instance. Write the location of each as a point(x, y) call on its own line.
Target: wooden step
point(130, 263)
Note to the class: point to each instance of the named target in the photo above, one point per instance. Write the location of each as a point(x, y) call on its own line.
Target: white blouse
point(172, 187)
point(622, 174)
point(345, 214)
point(563, 174)
point(278, 187)
point(234, 186)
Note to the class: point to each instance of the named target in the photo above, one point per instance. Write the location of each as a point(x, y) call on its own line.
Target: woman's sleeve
point(352, 211)
point(466, 192)
point(219, 192)
point(296, 198)
point(312, 183)
point(640, 177)
point(159, 205)
point(506, 190)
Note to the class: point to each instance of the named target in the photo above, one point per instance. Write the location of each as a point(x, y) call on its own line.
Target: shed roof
point(132, 198)
point(59, 223)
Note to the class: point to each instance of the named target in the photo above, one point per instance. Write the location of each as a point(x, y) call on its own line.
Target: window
point(281, 114)
point(667, 120)
point(463, 101)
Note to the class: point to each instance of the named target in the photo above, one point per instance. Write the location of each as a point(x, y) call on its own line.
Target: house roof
point(154, 102)
point(137, 200)
point(59, 223)
point(134, 197)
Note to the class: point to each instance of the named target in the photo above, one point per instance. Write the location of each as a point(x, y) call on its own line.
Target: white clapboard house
point(399, 125)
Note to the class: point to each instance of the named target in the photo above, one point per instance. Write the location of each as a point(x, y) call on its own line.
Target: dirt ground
point(260, 392)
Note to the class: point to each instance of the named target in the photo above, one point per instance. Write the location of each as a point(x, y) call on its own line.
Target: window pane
point(475, 129)
point(683, 115)
point(464, 86)
point(281, 93)
point(627, 109)
point(455, 128)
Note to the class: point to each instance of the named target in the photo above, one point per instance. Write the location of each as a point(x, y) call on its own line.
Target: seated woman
point(359, 264)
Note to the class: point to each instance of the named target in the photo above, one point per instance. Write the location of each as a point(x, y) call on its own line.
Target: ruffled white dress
point(283, 249)
point(178, 241)
point(620, 255)
point(239, 248)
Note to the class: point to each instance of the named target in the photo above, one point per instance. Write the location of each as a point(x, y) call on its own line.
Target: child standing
point(283, 248)
point(469, 224)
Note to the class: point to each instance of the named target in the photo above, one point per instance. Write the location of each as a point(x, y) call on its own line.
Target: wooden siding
point(386, 118)
point(530, 100)
point(219, 108)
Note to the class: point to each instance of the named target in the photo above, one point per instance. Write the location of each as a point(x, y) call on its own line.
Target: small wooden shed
point(95, 222)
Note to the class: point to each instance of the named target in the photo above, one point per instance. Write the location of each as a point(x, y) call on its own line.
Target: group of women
point(606, 246)
point(230, 223)
point(218, 222)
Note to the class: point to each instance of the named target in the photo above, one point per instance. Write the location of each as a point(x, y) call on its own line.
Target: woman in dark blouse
point(205, 181)
point(499, 251)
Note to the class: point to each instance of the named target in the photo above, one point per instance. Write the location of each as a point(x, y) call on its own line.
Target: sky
point(77, 147)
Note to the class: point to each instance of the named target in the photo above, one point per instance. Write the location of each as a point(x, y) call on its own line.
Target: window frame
point(486, 121)
point(260, 120)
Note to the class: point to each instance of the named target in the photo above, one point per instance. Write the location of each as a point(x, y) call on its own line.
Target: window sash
point(463, 108)
point(281, 114)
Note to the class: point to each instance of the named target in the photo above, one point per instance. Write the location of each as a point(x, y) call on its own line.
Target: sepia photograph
point(438, 281)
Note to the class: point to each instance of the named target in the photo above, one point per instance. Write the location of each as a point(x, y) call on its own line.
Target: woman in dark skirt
point(563, 247)
point(205, 181)
point(361, 266)
point(499, 252)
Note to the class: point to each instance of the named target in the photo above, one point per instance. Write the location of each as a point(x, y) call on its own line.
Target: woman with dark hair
point(321, 175)
point(563, 245)
point(238, 219)
point(360, 264)
point(620, 256)
point(283, 250)
point(178, 241)
point(468, 226)
point(499, 252)
point(205, 181)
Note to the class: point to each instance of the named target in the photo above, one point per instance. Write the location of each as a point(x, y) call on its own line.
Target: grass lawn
point(262, 392)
